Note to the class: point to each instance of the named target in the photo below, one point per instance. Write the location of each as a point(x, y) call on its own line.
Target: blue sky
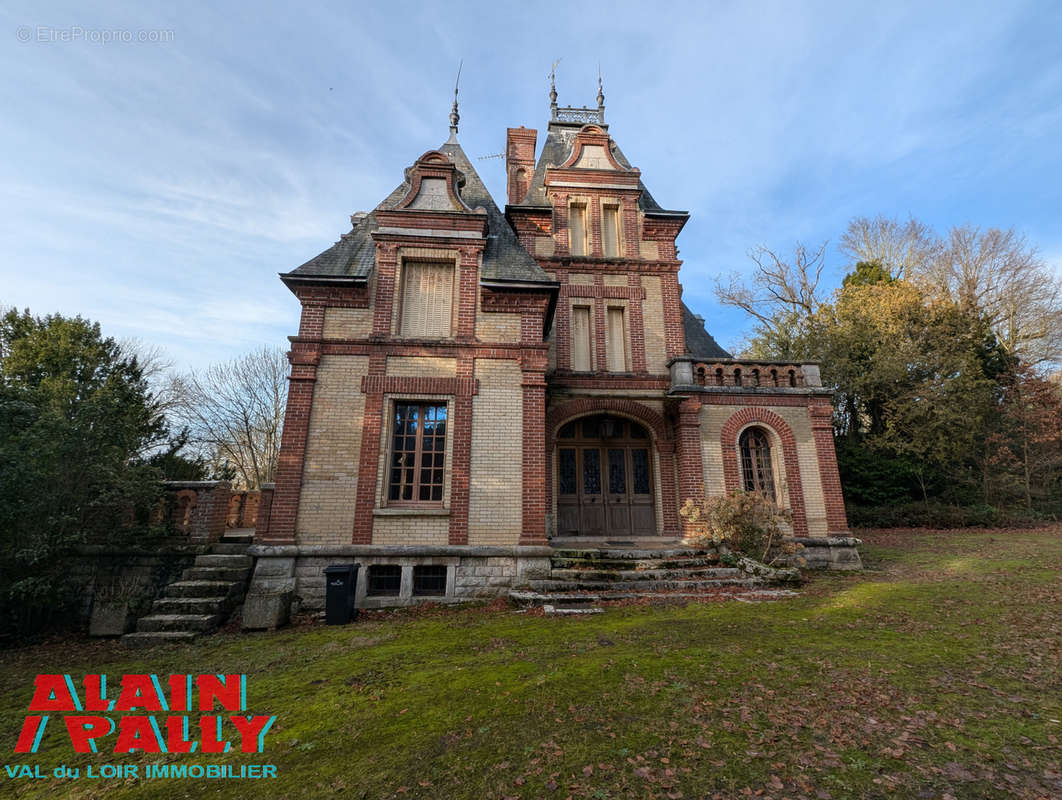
point(159, 187)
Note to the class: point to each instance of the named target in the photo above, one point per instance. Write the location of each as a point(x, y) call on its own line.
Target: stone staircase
point(587, 576)
point(202, 600)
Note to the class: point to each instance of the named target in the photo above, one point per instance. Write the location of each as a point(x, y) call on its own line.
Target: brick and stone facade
point(548, 338)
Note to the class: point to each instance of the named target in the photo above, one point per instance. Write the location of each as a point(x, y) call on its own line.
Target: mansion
point(473, 386)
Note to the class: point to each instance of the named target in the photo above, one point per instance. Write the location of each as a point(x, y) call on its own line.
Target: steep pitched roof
point(556, 150)
point(700, 343)
point(504, 258)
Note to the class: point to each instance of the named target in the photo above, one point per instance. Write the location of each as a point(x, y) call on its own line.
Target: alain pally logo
point(149, 714)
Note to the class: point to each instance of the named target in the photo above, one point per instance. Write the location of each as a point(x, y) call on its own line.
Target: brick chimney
point(519, 161)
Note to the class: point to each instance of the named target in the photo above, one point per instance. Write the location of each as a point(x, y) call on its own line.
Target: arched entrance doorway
point(604, 478)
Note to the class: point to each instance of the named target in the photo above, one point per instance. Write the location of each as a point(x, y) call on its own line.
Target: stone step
point(204, 589)
point(231, 575)
point(230, 548)
point(586, 599)
point(178, 622)
point(191, 605)
point(655, 586)
point(152, 638)
point(630, 554)
point(227, 560)
point(240, 536)
point(627, 564)
point(643, 575)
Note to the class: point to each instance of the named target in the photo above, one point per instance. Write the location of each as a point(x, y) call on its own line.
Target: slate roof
point(556, 150)
point(699, 343)
point(504, 258)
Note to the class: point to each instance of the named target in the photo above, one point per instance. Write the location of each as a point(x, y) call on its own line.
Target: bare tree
point(782, 295)
point(904, 249)
point(997, 273)
point(235, 412)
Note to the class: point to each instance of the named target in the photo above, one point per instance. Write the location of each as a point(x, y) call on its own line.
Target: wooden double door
point(604, 479)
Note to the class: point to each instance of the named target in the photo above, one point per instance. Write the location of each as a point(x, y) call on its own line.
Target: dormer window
point(577, 229)
point(610, 230)
point(427, 300)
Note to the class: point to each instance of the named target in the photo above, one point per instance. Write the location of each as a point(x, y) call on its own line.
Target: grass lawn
point(937, 673)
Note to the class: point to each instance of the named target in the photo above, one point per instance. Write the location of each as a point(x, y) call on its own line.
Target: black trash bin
point(341, 581)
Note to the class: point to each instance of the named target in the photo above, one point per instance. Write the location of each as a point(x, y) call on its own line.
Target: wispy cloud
point(161, 187)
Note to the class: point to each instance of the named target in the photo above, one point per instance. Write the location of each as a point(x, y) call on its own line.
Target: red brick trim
point(821, 411)
point(600, 356)
point(365, 497)
point(430, 349)
point(461, 453)
point(728, 441)
point(333, 296)
point(288, 481)
point(603, 292)
point(637, 324)
point(674, 332)
point(778, 397)
point(689, 451)
point(605, 265)
point(662, 438)
point(610, 380)
point(390, 384)
point(535, 469)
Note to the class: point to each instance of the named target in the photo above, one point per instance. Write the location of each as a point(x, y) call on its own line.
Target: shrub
point(747, 523)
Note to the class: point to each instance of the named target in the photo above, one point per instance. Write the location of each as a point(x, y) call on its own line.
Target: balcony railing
point(743, 375)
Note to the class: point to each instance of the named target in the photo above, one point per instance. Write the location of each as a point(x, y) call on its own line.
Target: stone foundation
point(828, 552)
point(472, 572)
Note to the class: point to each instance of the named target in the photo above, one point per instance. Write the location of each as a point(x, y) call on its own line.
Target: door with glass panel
point(604, 479)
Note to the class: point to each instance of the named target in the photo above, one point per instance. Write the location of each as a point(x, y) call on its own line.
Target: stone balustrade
point(732, 374)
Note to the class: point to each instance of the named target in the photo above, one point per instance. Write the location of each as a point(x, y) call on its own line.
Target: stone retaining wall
point(471, 572)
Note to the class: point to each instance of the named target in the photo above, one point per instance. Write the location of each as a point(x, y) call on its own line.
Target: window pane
point(610, 230)
point(591, 471)
point(384, 580)
point(577, 229)
point(429, 579)
point(617, 471)
point(640, 470)
point(566, 470)
point(581, 339)
point(616, 346)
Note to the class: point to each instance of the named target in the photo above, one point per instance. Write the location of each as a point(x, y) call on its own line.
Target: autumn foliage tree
point(935, 348)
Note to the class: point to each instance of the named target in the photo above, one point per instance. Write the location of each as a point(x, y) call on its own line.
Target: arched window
point(756, 462)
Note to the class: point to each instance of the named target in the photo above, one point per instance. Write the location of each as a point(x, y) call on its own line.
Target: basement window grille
point(429, 580)
point(385, 580)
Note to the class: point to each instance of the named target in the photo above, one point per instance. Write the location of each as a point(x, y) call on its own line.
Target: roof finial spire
point(600, 96)
point(454, 116)
point(553, 89)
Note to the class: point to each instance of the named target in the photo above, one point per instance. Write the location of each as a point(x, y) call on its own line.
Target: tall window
point(756, 462)
point(577, 229)
point(616, 342)
point(610, 230)
point(427, 300)
point(418, 451)
point(581, 339)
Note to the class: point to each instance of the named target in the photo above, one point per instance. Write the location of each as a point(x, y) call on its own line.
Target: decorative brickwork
point(728, 441)
point(503, 293)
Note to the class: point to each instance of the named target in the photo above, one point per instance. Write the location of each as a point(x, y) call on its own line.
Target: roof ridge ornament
point(553, 90)
point(600, 96)
point(454, 116)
